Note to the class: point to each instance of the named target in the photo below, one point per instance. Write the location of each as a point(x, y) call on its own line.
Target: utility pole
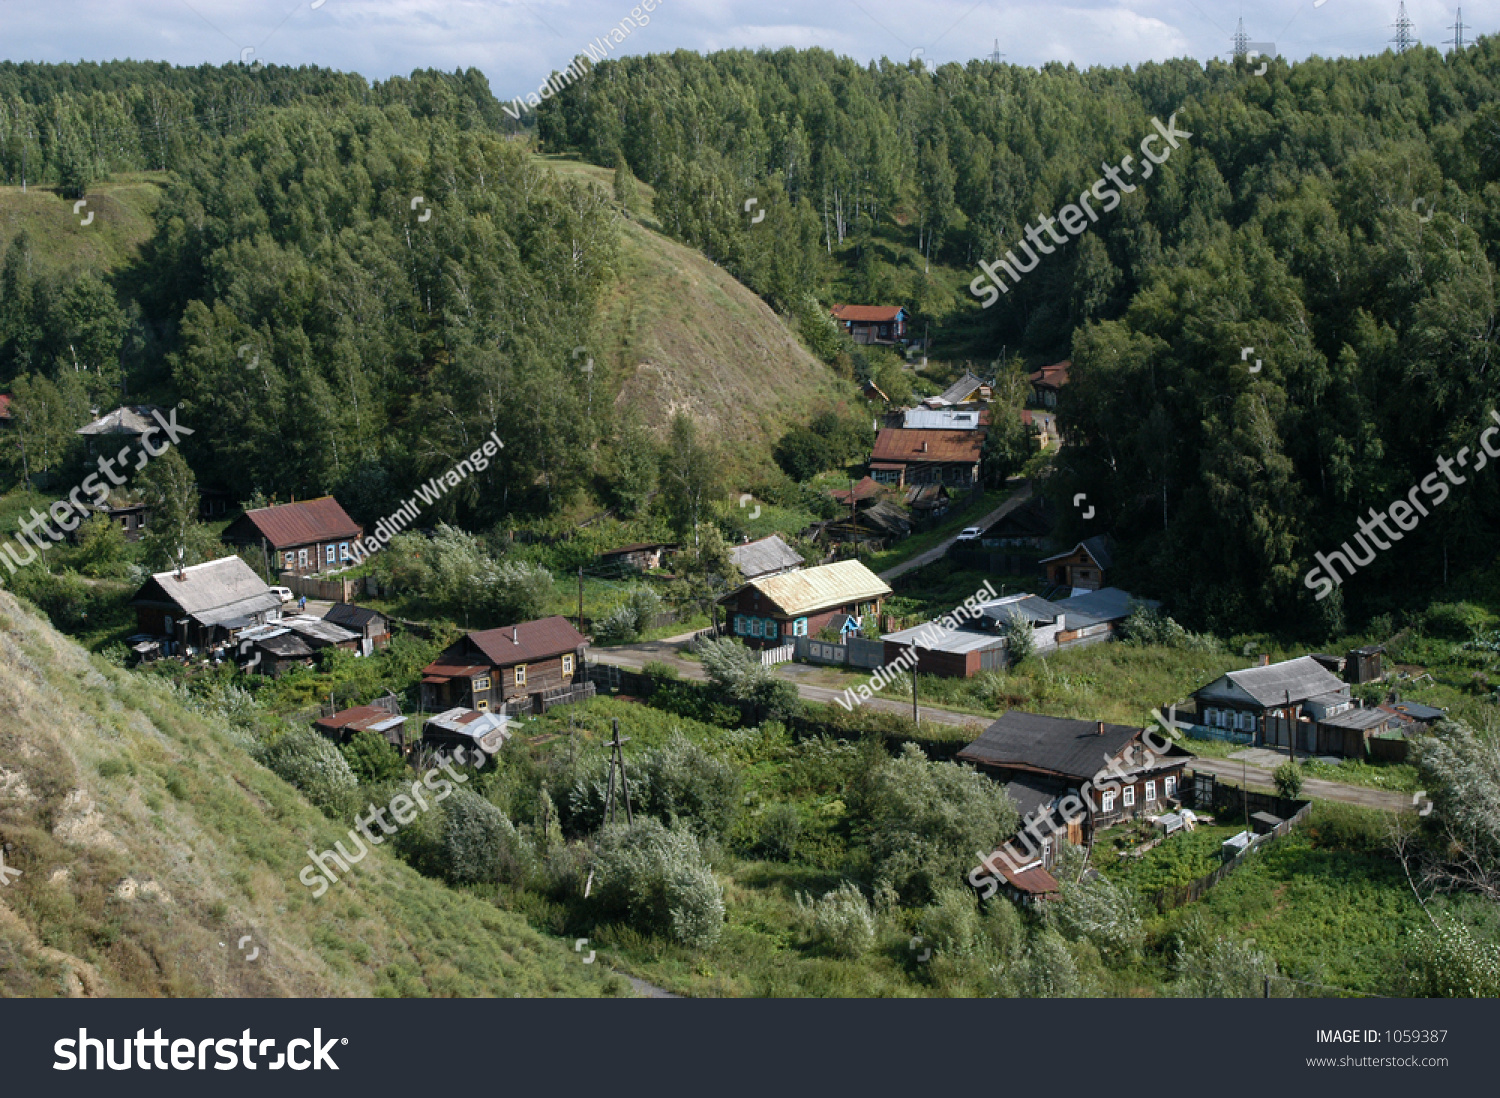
point(617, 758)
point(916, 714)
point(1241, 41)
point(580, 598)
point(1403, 40)
point(1458, 28)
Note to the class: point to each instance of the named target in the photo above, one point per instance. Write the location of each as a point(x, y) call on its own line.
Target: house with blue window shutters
point(773, 610)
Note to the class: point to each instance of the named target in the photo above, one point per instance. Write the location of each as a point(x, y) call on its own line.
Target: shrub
point(1452, 963)
point(1288, 779)
point(1452, 620)
point(1099, 912)
point(1148, 627)
point(660, 880)
point(1046, 970)
point(924, 820)
point(950, 924)
point(480, 843)
point(843, 923)
point(1223, 969)
point(689, 784)
point(779, 832)
point(372, 758)
point(315, 766)
point(617, 627)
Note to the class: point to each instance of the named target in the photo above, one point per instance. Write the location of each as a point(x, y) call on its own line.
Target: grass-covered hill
point(149, 844)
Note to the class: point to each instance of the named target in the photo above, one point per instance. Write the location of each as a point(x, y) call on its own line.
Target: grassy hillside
point(676, 331)
point(122, 209)
point(149, 844)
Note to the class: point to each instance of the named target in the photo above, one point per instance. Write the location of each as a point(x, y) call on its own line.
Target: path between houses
point(635, 656)
point(1016, 498)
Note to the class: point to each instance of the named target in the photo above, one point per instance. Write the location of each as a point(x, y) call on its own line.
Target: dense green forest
point(1338, 217)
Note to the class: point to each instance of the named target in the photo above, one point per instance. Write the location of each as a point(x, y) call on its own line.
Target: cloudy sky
point(517, 43)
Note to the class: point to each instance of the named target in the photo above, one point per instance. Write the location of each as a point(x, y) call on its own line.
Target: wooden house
point(902, 456)
point(382, 717)
point(485, 670)
point(1026, 527)
point(200, 606)
point(469, 729)
point(968, 389)
point(124, 426)
point(768, 556)
point(7, 416)
point(872, 323)
point(641, 557)
point(304, 538)
point(1048, 382)
point(370, 626)
point(772, 610)
point(1107, 772)
point(1081, 567)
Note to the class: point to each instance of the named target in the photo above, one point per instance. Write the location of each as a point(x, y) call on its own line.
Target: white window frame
point(1150, 791)
point(482, 683)
point(799, 627)
point(329, 556)
point(343, 550)
point(755, 627)
point(567, 663)
point(301, 558)
point(1130, 796)
point(1106, 800)
point(1169, 786)
point(741, 625)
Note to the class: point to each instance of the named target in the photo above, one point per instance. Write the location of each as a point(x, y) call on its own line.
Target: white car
point(284, 594)
point(970, 533)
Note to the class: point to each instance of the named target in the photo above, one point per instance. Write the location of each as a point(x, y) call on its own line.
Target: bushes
point(842, 922)
point(1148, 627)
point(480, 844)
point(1223, 969)
point(1453, 620)
point(1102, 913)
point(661, 882)
point(626, 622)
point(315, 766)
point(924, 821)
point(1288, 779)
point(678, 782)
point(1452, 963)
point(371, 758)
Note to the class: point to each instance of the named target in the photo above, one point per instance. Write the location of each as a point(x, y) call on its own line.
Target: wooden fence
point(853, 652)
point(1176, 895)
point(328, 590)
point(770, 657)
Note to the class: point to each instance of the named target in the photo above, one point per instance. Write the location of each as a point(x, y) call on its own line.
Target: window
point(343, 550)
point(481, 704)
point(1106, 800)
point(741, 625)
point(1129, 795)
point(1169, 786)
point(1247, 722)
point(755, 627)
point(520, 674)
point(328, 557)
point(773, 629)
point(799, 627)
point(567, 661)
point(301, 558)
point(1150, 792)
point(291, 559)
point(482, 683)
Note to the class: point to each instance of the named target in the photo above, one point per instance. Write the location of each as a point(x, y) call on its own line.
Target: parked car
point(284, 594)
point(970, 533)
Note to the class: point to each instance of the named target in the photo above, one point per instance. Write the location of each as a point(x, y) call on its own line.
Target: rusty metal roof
point(867, 314)
point(362, 718)
point(292, 524)
point(906, 445)
point(524, 643)
point(1054, 376)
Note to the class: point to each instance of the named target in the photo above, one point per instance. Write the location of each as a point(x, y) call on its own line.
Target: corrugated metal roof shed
point(1298, 679)
point(867, 314)
point(819, 588)
point(940, 419)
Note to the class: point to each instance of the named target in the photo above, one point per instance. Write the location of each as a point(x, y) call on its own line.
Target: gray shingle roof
point(1106, 604)
point(765, 557)
point(1056, 745)
point(214, 592)
point(1299, 679)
